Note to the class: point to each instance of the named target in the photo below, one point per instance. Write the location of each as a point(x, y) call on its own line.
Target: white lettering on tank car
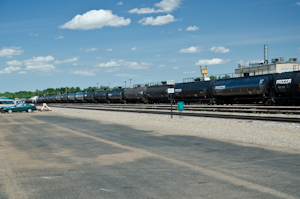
point(283, 81)
point(178, 90)
point(220, 87)
point(261, 82)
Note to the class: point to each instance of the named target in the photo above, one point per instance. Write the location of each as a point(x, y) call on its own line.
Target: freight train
point(269, 89)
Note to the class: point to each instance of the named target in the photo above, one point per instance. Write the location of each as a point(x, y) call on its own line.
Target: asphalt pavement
point(47, 156)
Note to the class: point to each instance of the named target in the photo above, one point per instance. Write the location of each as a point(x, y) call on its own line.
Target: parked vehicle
point(19, 108)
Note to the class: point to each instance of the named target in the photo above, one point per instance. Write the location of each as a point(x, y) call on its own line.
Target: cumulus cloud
point(83, 72)
point(297, 3)
point(60, 37)
point(134, 48)
point(88, 49)
point(120, 3)
point(219, 49)
point(95, 19)
point(9, 52)
point(158, 21)
point(175, 68)
point(112, 63)
point(127, 64)
point(10, 69)
point(179, 29)
point(161, 65)
point(41, 64)
point(163, 6)
point(109, 50)
point(192, 49)
point(66, 60)
point(14, 63)
point(136, 65)
point(211, 61)
point(192, 28)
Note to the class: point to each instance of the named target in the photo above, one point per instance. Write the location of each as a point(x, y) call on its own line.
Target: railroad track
point(167, 111)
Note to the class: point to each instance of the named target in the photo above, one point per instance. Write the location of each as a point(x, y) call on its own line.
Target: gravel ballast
point(270, 135)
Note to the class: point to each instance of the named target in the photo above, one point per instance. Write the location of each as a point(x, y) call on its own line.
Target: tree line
point(51, 91)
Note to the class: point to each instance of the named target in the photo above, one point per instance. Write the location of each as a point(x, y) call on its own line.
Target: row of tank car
point(283, 88)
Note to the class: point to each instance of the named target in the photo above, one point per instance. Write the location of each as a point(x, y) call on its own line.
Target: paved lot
point(48, 156)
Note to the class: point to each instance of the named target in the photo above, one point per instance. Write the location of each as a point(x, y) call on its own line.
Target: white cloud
point(219, 49)
point(109, 50)
point(10, 69)
point(297, 3)
point(179, 29)
point(211, 61)
point(161, 65)
point(83, 72)
point(173, 60)
point(33, 34)
point(22, 72)
point(120, 3)
point(163, 6)
point(299, 48)
point(175, 68)
point(136, 65)
point(192, 28)
point(89, 49)
point(158, 21)
point(95, 19)
point(111, 63)
point(125, 75)
point(66, 60)
point(189, 72)
point(127, 64)
point(40, 64)
point(60, 37)
point(75, 64)
point(157, 55)
point(134, 48)
point(9, 52)
point(41, 68)
point(192, 49)
point(14, 63)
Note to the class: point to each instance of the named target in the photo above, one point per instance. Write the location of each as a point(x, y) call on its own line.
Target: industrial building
point(276, 66)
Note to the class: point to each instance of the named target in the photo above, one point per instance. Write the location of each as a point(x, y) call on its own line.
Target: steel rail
point(198, 114)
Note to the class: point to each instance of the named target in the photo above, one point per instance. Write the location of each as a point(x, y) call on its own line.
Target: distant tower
point(203, 72)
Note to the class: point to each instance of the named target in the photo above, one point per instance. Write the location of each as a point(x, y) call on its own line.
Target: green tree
point(212, 77)
point(226, 77)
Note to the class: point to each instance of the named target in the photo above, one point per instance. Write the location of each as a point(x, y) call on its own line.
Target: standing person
point(45, 105)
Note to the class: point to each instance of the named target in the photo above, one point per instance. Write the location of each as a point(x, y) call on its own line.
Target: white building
point(276, 66)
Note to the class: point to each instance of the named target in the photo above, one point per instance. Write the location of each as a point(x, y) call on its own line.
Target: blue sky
point(53, 44)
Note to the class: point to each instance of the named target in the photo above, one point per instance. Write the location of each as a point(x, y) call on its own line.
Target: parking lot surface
point(46, 155)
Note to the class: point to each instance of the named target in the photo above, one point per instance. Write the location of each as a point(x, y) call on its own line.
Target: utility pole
point(130, 83)
point(125, 84)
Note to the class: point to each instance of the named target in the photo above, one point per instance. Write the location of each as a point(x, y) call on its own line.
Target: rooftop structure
point(276, 66)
